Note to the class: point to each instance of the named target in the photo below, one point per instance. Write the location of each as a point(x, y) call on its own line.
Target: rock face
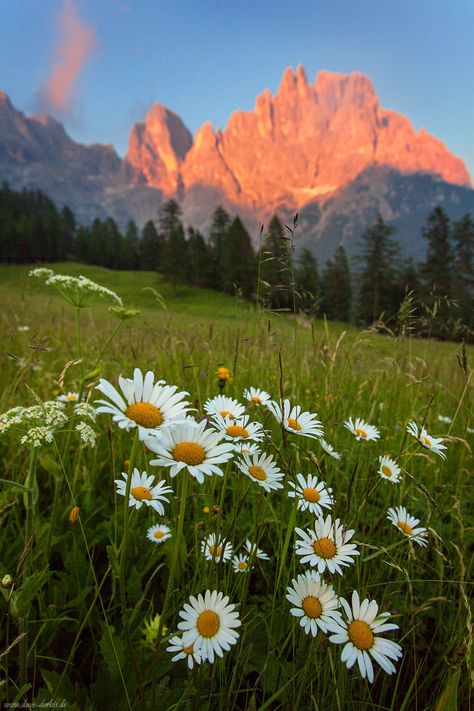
point(305, 142)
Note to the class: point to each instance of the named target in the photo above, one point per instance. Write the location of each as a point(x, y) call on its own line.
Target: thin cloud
point(75, 44)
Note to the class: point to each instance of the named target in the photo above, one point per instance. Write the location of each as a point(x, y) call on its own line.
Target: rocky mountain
point(327, 150)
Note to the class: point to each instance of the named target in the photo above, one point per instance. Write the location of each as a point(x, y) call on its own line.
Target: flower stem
point(30, 498)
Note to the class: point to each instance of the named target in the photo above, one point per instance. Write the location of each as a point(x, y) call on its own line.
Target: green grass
point(85, 604)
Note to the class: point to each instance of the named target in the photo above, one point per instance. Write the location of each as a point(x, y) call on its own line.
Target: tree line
point(435, 297)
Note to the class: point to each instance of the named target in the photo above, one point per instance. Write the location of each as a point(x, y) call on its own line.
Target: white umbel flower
point(389, 469)
point(434, 444)
point(255, 396)
point(408, 525)
point(326, 546)
point(210, 623)
point(294, 420)
point(142, 491)
point(252, 550)
point(361, 429)
point(359, 635)
point(217, 549)
point(329, 449)
point(180, 651)
point(239, 430)
point(314, 602)
point(190, 445)
point(159, 533)
point(144, 403)
point(224, 406)
point(311, 495)
point(262, 469)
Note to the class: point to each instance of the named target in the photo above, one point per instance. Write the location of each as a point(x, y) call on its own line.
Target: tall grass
point(88, 605)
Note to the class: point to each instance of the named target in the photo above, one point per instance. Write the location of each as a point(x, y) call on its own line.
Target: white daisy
point(190, 445)
point(252, 549)
point(217, 549)
point(256, 396)
point(359, 635)
point(144, 404)
point(158, 533)
point(310, 494)
point(210, 624)
point(239, 430)
point(296, 421)
point(389, 469)
point(176, 647)
point(224, 406)
point(445, 419)
point(361, 429)
point(431, 443)
point(408, 524)
point(262, 469)
point(70, 397)
point(315, 602)
point(329, 449)
point(244, 447)
point(326, 546)
point(142, 491)
point(240, 563)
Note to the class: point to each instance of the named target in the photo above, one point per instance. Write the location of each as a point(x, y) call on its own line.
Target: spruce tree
point(308, 284)
point(238, 261)
point(436, 270)
point(150, 247)
point(336, 287)
point(199, 262)
point(219, 228)
point(463, 272)
point(276, 268)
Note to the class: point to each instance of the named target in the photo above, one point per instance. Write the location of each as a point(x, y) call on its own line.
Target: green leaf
point(448, 701)
point(21, 599)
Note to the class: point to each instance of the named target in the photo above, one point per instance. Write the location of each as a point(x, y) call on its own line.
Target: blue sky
point(204, 59)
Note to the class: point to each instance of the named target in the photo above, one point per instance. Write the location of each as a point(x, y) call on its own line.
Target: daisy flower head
point(407, 524)
point(262, 469)
point(244, 447)
point(434, 444)
point(310, 494)
point(180, 651)
point(240, 563)
point(326, 546)
point(296, 421)
point(329, 449)
point(142, 491)
point(314, 602)
point(159, 533)
point(69, 397)
point(239, 430)
point(210, 623)
point(227, 407)
point(389, 469)
point(255, 396)
point(217, 549)
point(252, 549)
point(142, 403)
point(361, 429)
point(359, 635)
point(190, 445)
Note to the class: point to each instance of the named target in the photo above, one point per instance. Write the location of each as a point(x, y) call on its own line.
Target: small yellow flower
point(205, 509)
point(223, 375)
point(74, 515)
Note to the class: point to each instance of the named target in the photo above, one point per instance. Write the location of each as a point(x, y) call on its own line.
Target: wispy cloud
point(75, 43)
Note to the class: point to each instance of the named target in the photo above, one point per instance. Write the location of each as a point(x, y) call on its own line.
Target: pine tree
point(463, 272)
point(219, 228)
point(308, 284)
point(150, 247)
point(238, 261)
point(336, 287)
point(276, 268)
point(436, 270)
point(199, 262)
point(378, 279)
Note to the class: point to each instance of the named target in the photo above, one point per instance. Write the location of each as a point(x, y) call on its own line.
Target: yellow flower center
point(189, 650)
point(237, 431)
point(311, 494)
point(257, 473)
point(360, 432)
point(159, 534)
point(145, 414)
point(71, 398)
point(324, 548)
point(256, 399)
point(293, 424)
point(140, 493)
point(312, 607)
point(208, 623)
point(241, 565)
point(360, 634)
point(386, 470)
point(189, 453)
point(226, 413)
point(424, 440)
point(403, 526)
point(216, 552)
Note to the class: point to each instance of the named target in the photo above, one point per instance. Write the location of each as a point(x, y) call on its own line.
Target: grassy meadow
point(89, 604)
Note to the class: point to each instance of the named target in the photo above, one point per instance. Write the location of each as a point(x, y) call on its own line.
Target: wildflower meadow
point(227, 508)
